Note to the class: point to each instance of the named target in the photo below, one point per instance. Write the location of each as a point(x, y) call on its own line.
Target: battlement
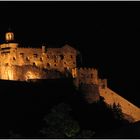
point(85, 75)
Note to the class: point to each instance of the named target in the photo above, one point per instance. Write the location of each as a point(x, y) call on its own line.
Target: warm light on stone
point(12, 55)
point(32, 75)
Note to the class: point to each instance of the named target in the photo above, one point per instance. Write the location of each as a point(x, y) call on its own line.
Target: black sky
point(106, 33)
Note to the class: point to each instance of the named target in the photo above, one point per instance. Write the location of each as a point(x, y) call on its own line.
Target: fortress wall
point(22, 58)
point(22, 73)
point(61, 58)
point(29, 72)
point(5, 59)
point(7, 73)
point(91, 92)
point(52, 59)
point(32, 56)
point(86, 75)
point(127, 107)
point(69, 56)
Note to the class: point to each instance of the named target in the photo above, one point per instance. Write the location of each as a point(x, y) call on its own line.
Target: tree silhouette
point(117, 111)
point(119, 117)
point(59, 123)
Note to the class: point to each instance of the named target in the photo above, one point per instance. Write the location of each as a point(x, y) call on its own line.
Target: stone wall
point(85, 76)
point(60, 59)
point(90, 92)
point(21, 73)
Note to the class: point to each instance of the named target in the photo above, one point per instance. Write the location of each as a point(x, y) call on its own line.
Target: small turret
point(9, 36)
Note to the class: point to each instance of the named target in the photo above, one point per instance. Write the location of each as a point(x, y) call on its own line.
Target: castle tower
point(9, 36)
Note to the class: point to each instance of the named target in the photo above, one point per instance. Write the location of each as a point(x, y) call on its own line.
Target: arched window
point(62, 57)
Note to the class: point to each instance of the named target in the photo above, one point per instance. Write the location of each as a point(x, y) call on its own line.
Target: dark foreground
point(23, 106)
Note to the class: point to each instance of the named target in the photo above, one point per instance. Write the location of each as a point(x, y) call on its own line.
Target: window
point(22, 54)
point(35, 55)
point(41, 59)
point(34, 64)
point(48, 64)
point(14, 58)
point(27, 58)
point(62, 57)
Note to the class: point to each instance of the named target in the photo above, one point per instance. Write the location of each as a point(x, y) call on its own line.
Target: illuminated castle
point(18, 63)
point(22, 64)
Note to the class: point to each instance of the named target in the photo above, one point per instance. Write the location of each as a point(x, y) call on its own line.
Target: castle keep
point(22, 64)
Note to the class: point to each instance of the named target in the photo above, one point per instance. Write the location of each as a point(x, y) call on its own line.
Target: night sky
point(106, 33)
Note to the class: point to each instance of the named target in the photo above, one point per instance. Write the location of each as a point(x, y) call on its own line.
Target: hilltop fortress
point(22, 64)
